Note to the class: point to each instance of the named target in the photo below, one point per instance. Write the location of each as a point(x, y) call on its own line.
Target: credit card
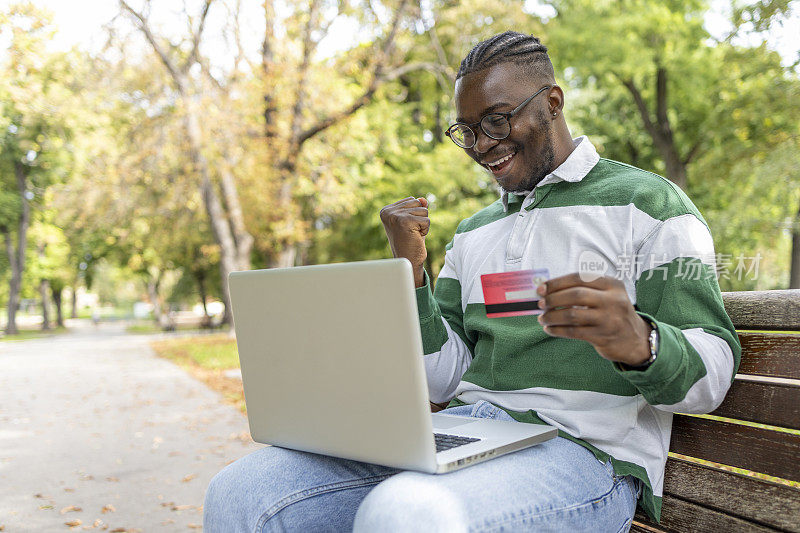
point(513, 293)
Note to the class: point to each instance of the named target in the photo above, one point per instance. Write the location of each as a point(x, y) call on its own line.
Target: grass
point(152, 327)
point(207, 358)
point(27, 334)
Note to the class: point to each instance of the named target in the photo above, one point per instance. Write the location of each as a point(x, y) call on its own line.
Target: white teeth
point(502, 160)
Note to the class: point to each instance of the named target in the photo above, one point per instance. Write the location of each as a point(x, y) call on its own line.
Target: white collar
point(580, 161)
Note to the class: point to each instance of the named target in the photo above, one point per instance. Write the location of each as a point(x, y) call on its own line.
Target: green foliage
point(107, 138)
point(733, 111)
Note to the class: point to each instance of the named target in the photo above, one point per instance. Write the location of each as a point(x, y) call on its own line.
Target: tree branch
point(378, 78)
point(437, 45)
point(267, 65)
point(173, 70)
point(198, 34)
point(642, 106)
point(308, 48)
point(692, 153)
point(661, 97)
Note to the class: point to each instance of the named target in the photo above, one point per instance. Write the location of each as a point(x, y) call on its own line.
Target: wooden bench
point(702, 497)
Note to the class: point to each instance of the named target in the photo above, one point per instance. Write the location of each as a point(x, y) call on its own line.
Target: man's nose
point(484, 143)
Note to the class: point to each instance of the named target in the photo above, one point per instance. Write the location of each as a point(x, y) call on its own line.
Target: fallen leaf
point(167, 504)
point(167, 522)
point(71, 508)
point(98, 523)
point(67, 489)
point(108, 509)
point(182, 507)
point(189, 478)
point(41, 496)
point(195, 526)
point(74, 523)
point(119, 530)
point(44, 507)
point(112, 478)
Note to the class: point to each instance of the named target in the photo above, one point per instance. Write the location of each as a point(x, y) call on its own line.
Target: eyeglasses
point(494, 125)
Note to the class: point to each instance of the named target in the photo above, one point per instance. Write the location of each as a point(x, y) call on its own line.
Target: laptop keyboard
point(447, 442)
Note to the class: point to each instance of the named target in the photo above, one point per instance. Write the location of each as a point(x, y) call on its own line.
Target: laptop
point(332, 363)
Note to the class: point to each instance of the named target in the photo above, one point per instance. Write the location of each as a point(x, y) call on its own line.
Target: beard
point(543, 159)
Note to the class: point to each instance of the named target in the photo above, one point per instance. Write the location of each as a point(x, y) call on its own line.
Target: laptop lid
point(331, 359)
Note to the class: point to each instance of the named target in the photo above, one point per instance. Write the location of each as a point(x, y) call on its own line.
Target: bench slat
point(776, 404)
point(770, 452)
point(770, 354)
point(680, 515)
point(778, 310)
point(735, 494)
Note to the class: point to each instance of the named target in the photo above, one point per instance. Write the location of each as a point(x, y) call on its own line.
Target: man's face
point(501, 88)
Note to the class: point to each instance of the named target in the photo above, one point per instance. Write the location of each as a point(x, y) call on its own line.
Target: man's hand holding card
point(597, 311)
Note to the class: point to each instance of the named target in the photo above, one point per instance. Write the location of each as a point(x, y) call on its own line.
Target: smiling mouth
point(499, 165)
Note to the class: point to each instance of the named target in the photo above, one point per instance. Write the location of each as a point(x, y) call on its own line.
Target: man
point(607, 373)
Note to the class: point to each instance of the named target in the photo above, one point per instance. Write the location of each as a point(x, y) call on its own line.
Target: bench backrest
point(735, 474)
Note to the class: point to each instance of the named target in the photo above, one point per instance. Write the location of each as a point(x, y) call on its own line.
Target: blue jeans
point(554, 486)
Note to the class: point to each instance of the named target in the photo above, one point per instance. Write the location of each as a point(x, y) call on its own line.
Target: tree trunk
point(13, 286)
point(794, 272)
point(268, 68)
point(220, 227)
point(16, 258)
point(74, 312)
point(153, 284)
point(660, 130)
point(200, 276)
point(57, 293)
point(44, 293)
point(243, 240)
point(289, 240)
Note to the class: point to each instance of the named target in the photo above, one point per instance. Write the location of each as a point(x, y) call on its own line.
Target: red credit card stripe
point(528, 305)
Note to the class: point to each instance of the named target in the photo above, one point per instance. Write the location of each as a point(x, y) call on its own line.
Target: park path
point(93, 419)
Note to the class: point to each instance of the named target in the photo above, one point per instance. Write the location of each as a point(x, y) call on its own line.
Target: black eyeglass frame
point(506, 116)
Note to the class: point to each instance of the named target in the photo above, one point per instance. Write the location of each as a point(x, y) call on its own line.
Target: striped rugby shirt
point(643, 230)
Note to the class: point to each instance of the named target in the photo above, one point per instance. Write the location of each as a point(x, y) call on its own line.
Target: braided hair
point(511, 46)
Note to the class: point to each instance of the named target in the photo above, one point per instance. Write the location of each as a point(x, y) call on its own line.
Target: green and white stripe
point(643, 230)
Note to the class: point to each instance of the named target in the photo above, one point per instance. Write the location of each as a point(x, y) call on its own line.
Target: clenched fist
point(406, 223)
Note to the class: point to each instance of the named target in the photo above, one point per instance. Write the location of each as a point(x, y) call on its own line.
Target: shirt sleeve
point(447, 351)
point(676, 288)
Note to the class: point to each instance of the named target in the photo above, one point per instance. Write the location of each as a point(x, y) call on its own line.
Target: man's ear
point(555, 100)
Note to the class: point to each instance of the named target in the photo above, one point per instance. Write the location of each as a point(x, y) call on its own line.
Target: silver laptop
point(331, 360)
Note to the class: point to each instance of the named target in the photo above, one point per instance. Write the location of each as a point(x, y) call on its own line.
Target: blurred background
point(147, 149)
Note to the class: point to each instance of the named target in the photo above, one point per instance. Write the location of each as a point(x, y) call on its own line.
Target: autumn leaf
point(74, 523)
point(189, 478)
point(195, 526)
point(108, 509)
point(71, 508)
point(112, 478)
point(182, 507)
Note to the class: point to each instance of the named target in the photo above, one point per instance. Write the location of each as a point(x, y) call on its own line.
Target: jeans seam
point(536, 515)
point(316, 491)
